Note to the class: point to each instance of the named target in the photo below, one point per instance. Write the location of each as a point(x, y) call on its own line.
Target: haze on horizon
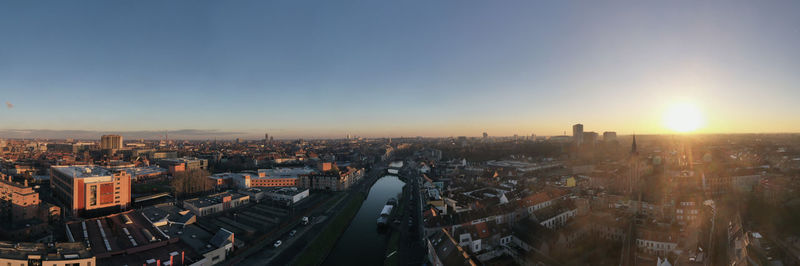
point(412, 68)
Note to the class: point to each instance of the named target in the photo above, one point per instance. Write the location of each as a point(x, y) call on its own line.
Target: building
point(289, 195)
point(180, 224)
point(443, 249)
point(656, 240)
point(18, 202)
point(131, 238)
point(609, 136)
point(219, 202)
point(145, 172)
point(634, 168)
point(174, 165)
point(23, 217)
point(589, 138)
point(111, 142)
point(277, 177)
point(577, 133)
point(90, 189)
point(72, 254)
point(331, 181)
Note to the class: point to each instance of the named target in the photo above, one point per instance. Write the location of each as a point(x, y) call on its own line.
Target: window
point(93, 195)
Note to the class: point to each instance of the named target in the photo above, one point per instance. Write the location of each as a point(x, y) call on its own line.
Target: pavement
point(266, 255)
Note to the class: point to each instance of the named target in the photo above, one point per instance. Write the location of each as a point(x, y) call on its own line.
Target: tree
point(187, 183)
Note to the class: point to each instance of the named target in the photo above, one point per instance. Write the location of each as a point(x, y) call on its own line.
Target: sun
point(683, 117)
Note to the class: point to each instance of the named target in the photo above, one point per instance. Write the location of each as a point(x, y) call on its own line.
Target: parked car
point(292, 233)
point(277, 244)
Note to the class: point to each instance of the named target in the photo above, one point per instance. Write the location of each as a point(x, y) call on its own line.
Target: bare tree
point(191, 182)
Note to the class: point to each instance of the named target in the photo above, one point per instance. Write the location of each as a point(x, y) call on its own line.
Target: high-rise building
point(111, 142)
point(90, 188)
point(609, 136)
point(577, 133)
point(590, 138)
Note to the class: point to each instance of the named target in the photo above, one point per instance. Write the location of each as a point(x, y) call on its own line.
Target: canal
point(361, 243)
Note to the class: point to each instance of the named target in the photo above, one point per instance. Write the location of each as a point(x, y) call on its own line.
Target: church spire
point(633, 146)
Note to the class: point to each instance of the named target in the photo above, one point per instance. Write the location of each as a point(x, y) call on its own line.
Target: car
point(292, 233)
point(277, 244)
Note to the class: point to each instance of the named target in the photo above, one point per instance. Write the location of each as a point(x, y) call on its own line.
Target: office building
point(111, 142)
point(91, 189)
point(174, 165)
point(609, 136)
point(577, 133)
point(277, 177)
point(288, 195)
point(590, 138)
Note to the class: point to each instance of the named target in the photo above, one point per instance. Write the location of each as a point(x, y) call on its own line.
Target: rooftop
point(284, 172)
point(213, 199)
point(82, 171)
point(54, 251)
point(144, 171)
point(291, 191)
point(115, 233)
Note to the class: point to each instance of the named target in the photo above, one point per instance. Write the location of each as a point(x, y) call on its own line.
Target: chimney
point(26, 182)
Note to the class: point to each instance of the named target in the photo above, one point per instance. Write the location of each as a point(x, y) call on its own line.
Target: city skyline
point(533, 68)
point(469, 132)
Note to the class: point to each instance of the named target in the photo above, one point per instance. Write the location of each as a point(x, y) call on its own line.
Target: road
point(411, 248)
point(292, 247)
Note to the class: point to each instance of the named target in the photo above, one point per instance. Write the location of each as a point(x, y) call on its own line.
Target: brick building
point(91, 189)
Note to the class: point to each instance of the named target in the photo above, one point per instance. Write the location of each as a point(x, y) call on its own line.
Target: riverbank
point(319, 249)
point(363, 243)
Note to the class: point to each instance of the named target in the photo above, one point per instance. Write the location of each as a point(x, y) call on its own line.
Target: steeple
point(633, 146)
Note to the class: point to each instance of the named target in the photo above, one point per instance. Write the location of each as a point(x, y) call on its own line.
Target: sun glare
point(683, 117)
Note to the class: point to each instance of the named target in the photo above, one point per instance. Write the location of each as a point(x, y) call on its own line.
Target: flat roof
point(143, 171)
point(285, 172)
point(278, 190)
point(115, 232)
point(21, 251)
point(82, 171)
point(213, 199)
point(160, 253)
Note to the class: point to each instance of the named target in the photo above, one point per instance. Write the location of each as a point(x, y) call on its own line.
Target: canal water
point(361, 243)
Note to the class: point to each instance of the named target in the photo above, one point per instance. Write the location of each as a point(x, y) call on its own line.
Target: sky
point(217, 69)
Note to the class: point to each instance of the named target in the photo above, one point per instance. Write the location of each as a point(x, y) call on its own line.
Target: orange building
point(278, 177)
point(90, 188)
point(18, 202)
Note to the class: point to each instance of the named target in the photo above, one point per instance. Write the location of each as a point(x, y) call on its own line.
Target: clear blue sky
point(391, 68)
